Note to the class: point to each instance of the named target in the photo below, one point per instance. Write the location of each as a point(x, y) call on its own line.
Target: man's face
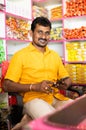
point(41, 36)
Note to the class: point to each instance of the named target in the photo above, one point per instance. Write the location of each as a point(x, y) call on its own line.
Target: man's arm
point(67, 82)
point(11, 86)
point(63, 83)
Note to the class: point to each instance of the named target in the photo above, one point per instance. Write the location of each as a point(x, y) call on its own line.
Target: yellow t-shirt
point(29, 66)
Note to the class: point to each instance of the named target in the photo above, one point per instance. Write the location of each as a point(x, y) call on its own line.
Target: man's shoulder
point(22, 50)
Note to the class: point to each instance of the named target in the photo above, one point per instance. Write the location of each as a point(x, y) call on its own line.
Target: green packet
point(4, 100)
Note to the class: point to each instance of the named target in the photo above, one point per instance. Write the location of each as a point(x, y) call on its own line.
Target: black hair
point(41, 21)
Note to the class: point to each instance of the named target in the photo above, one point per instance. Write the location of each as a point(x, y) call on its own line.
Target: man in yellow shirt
point(33, 70)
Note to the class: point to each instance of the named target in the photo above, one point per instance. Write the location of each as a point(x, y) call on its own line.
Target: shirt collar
point(32, 48)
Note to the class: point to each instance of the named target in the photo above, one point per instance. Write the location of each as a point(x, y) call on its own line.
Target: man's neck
point(42, 49)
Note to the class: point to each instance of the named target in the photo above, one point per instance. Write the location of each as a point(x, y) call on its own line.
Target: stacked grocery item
point(39, 11)
point(75, 8)
point(77, 73)
point(53, 13)
point(56, 33)
point(56, 12)
point(75, 33)
point(2, 51)
point(17, 28)
point(76, 51)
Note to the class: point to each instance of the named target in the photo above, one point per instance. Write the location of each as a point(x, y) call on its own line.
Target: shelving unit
point(72, 40)
point(16, 21)
point(67, 24)
point(75, 39)
point(49, 9)
point(2, 32)
point(15, 13)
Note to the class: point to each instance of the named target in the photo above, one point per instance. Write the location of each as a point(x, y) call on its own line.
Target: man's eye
point(47, 33)
point(40, 32)
point(43, 33)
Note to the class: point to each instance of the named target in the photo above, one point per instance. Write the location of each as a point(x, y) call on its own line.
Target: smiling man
point(33, 70)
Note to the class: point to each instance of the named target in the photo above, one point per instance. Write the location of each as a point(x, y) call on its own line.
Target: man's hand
point(63, 83)
point(44, 86)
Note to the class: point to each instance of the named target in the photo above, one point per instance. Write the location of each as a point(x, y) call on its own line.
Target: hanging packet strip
point(2, 51)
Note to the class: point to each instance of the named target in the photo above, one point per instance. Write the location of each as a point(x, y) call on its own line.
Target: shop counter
point(71, 117)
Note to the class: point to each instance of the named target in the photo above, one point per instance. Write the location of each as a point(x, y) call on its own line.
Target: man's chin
point(42, 45)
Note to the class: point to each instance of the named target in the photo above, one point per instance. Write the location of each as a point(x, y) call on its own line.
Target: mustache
point(42, 39)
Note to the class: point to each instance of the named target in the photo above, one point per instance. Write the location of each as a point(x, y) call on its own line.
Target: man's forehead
point(42, 27)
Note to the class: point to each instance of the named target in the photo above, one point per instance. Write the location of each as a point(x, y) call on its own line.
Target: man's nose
point(43, 35)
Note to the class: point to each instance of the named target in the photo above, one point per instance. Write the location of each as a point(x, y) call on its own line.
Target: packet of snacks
point(4, 67)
